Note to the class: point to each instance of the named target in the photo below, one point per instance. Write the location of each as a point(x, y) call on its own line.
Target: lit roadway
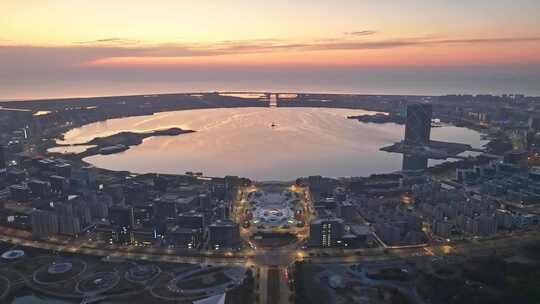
point(263, 259)
point(282, 255)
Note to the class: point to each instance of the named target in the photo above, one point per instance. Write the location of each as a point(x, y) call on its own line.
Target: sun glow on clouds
point(182, 28)
point(433, 55)
point(60, 42)
point(165, 33)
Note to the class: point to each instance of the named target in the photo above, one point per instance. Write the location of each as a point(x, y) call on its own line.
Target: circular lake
point(260, 143)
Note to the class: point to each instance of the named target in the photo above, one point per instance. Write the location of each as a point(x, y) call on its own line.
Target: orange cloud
point(420, 51)
point(430, 55)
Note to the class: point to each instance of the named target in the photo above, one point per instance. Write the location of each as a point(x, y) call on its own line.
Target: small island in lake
point(123, 141)
point(379, 118)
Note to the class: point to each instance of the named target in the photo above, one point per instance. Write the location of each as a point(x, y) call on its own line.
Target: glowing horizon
point(59, 37)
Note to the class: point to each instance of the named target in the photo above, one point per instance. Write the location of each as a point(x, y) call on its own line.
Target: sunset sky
point(72, 47)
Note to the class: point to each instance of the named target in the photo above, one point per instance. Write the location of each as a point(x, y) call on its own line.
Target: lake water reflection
point(242, 141)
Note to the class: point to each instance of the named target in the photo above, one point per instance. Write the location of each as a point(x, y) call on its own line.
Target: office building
point(122, 236)
point(418, 124)
point(69, 225)
point(362, 236)
point(191, 220)
point(81, 209)
point(205, 203)
point(44, 164)
point(347, 211)
point(184, 238)
point(103, 234)
point(3, 158)
point(19, 193)
point(143, 215)
point(136, 193)
point(99, 209)
point(44, 224)
point(168, 205)
point(505, 219)
point(59, 184)
point(15, 176)
point(340, 194)
point(144, 237)
point(223, 210)
point(218, 188)
point(326, 232)
point(224, 234)
point(39, 188)
point(64, 209)
point(99, 204)
point(116, 191)
point(121, 217)
point(122, 221)
point(73, 216)
point(63, 169)
point(442, 228)
point(89, 174)
point(485, 225)
point(165, 209)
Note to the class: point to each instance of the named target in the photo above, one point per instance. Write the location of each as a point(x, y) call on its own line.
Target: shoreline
point(131, 139)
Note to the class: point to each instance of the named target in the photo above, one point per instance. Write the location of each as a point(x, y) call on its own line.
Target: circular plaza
point(59, 271)
point(12, 255)
point(272, 209)
point(97, 283)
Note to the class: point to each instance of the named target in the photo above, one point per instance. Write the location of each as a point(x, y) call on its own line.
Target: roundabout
point(59, 271)
point(97, 283)
point(12, 255)
point(60, 268)
point(197, 283)
point(142, 273)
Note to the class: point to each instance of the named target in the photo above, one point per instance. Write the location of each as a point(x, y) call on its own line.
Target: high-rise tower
point(418, 124)
point(3, 158)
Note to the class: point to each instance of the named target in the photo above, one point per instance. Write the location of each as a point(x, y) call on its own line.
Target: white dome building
point(273, 209)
